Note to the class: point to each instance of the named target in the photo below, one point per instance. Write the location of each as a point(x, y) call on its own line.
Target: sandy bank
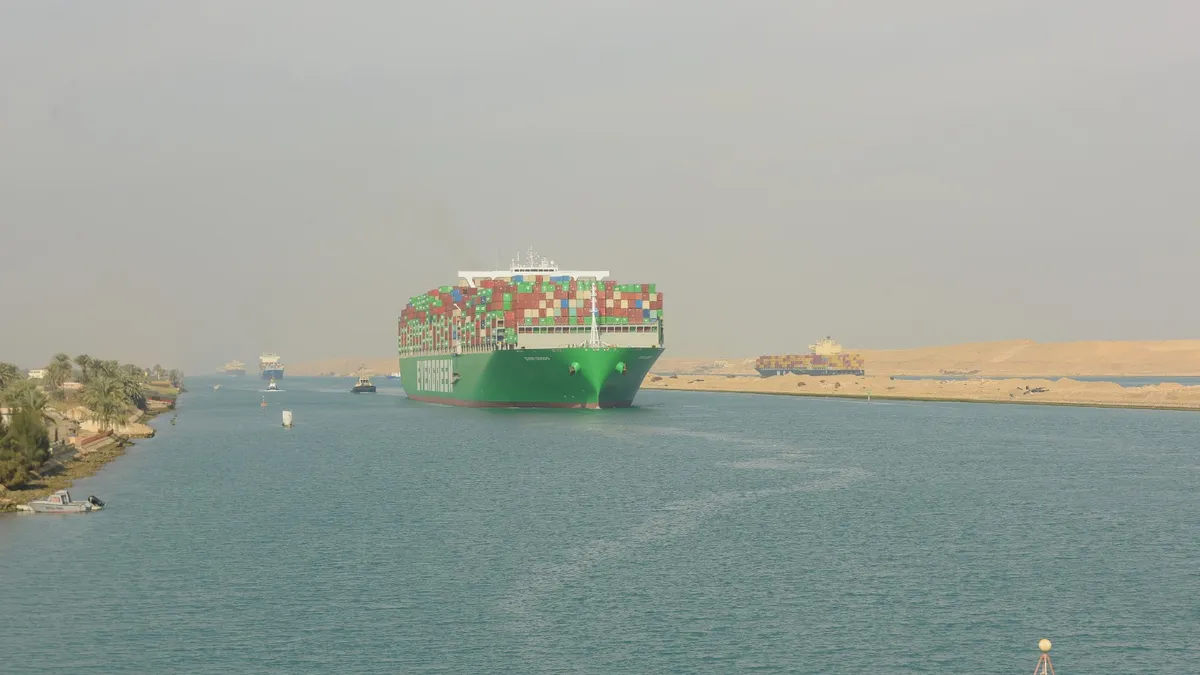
point(1013, 358)
point(345, 367)
point(1043, 391)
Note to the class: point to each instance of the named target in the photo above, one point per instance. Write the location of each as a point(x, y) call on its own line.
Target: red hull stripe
point(516, 404)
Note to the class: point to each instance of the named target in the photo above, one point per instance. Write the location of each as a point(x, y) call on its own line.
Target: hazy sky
point(193, 182)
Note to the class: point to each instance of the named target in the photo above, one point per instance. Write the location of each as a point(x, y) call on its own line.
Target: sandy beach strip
point(1064, 391)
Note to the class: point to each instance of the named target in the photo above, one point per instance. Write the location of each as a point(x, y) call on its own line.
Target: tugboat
point(363, 386)
point(271, 386)
point(60, 502)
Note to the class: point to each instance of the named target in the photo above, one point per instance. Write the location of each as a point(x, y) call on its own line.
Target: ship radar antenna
point(1044, 667)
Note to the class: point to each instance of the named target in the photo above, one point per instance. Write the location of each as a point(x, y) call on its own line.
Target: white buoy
point(287, 418)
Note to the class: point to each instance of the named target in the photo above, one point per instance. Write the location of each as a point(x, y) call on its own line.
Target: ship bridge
point(532, 264)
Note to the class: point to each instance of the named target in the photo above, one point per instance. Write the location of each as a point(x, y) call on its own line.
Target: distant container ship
point(826, 359)
point(235, 368)
point(530, 336)
point(270, 366)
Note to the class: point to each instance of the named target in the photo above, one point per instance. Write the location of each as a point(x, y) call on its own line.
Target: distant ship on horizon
point(235, 368)
point(270, 366)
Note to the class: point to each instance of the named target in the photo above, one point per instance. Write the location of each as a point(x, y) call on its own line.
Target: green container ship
point(530, 336)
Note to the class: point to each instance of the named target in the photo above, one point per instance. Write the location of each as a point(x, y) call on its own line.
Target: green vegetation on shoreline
point(115, 399)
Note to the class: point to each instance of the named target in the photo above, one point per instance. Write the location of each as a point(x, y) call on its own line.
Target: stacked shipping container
point(831, 364)
point(487, 315)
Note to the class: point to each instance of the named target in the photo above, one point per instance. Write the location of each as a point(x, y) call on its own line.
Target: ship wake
point(672, 520)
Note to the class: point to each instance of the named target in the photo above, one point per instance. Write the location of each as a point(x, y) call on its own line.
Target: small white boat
point(60, 502)
point(216, 387)
point(287, 419)
point(271, 386)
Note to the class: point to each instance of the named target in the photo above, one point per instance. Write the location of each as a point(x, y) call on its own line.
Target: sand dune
point(345, 367)
point(1061, 391)
point(1014, 358)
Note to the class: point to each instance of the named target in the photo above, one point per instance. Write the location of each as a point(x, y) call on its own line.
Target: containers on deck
point(816, 364)
point(480, 316)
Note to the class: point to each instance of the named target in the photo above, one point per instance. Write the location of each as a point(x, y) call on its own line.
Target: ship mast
point(594, 341)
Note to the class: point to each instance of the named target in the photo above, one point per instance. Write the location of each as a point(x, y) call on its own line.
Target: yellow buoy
point(1044, 667)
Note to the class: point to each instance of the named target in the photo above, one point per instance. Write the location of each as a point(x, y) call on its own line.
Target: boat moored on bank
point(61, 502)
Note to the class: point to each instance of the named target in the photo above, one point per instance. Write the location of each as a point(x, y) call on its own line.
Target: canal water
point(695, 533)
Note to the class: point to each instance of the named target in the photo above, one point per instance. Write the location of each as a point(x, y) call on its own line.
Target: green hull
point(571, 377)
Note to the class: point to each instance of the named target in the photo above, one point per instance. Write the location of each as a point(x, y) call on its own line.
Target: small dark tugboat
point(363, 386)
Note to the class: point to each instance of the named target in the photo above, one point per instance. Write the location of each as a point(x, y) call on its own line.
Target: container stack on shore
point(483, 315)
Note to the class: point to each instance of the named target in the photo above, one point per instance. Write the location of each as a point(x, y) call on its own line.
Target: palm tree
point(106, 368)
point(131, 379)
point(26, 395)
point(9, 374)
point(107, 401)
point(58, 371)
point(85, 367)
point(136, 372)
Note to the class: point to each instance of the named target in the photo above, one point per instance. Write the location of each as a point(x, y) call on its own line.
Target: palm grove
point(111, 392)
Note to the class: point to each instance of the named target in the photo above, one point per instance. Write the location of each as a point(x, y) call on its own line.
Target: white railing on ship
point(485, 346)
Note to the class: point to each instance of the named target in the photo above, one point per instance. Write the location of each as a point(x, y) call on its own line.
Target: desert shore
point(982, 390)
point(1044, 371)
point(1013, 358)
